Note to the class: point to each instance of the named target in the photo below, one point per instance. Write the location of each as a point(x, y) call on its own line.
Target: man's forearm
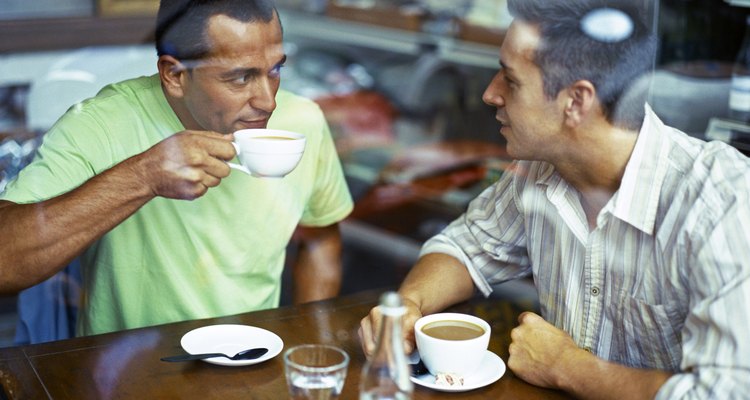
point(437, 281)
point(40, 239)
point(318, 270)
point(589, 377)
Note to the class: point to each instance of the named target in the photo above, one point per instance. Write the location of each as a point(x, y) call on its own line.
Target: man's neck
point(595, 165)
point(180, 110)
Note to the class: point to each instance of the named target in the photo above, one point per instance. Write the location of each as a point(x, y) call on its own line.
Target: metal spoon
point(418, 368)
point(249, 354)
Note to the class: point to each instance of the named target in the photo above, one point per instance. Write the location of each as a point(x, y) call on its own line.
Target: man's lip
point(503, 126)
point(501, 119)
point(254, 124)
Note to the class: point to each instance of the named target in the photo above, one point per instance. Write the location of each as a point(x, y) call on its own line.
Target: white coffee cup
point(268, 153)
point(452, 356)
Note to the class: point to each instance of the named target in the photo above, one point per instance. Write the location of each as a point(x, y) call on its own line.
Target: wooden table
point(126, 365)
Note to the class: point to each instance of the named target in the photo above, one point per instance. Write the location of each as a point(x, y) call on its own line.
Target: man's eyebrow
point(509, 72)
point(505, 66)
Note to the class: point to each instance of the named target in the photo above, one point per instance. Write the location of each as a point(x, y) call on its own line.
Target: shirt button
point(595, 291)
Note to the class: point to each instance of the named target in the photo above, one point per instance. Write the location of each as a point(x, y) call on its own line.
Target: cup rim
point(255, 132)
point(424, 320)
point(306, 368)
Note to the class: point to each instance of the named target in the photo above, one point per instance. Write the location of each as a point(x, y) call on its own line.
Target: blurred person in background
point(637, 236)
point(135, 182)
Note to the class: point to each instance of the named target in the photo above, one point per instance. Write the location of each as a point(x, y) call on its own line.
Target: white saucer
point(231, 339)
point(491, 369)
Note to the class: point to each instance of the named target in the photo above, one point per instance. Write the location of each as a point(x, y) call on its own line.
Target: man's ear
point(580, 101)
point(172, 74)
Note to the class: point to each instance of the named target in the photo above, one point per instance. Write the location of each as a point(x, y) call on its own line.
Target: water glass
point(315, 371)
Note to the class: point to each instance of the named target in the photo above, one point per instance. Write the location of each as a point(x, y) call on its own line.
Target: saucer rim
point(490, 357)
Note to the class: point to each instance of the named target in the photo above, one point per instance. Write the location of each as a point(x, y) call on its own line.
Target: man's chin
point(514, 151)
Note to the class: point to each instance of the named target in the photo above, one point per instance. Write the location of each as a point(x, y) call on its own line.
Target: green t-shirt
point(173, 260)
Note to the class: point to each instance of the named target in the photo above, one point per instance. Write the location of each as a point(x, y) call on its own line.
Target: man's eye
point(508, 80)
point(241, 80)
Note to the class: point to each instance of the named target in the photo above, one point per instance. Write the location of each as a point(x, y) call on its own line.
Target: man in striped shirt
point(637, 236)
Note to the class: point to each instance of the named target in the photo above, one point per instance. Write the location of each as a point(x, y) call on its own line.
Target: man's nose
point(264, 96)
point(493, 95)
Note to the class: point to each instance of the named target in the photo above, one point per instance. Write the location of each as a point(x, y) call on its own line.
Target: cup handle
point(238, 166)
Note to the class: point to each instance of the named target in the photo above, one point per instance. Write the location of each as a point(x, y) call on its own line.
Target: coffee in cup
point(268, 153)
point(453, 330)
point(452, 343)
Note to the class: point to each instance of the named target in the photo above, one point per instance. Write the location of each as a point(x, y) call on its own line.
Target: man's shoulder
point(695, 156)
point(703, 161)
point(722, 166)
point(707, 178)
point(123, 97)
point(126, 99)
point(297, 113)
point(131, 87)
point(121, 116)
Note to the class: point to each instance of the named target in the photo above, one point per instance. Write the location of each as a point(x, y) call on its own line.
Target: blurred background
point(399, 81)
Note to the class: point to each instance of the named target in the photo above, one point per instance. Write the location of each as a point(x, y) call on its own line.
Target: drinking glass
point(315, 371)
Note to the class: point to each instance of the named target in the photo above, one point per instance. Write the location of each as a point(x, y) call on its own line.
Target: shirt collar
point(547, 175)
point(637, 199)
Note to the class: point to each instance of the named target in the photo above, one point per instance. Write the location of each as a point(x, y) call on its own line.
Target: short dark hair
point(181, 24)
point(567, 54)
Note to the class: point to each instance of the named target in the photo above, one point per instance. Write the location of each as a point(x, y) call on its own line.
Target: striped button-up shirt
point(662, 281)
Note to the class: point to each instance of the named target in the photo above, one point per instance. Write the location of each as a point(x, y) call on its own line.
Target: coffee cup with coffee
point(452, 343)
point(268, 153)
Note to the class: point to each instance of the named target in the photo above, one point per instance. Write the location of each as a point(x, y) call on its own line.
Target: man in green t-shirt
point(135, 182)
